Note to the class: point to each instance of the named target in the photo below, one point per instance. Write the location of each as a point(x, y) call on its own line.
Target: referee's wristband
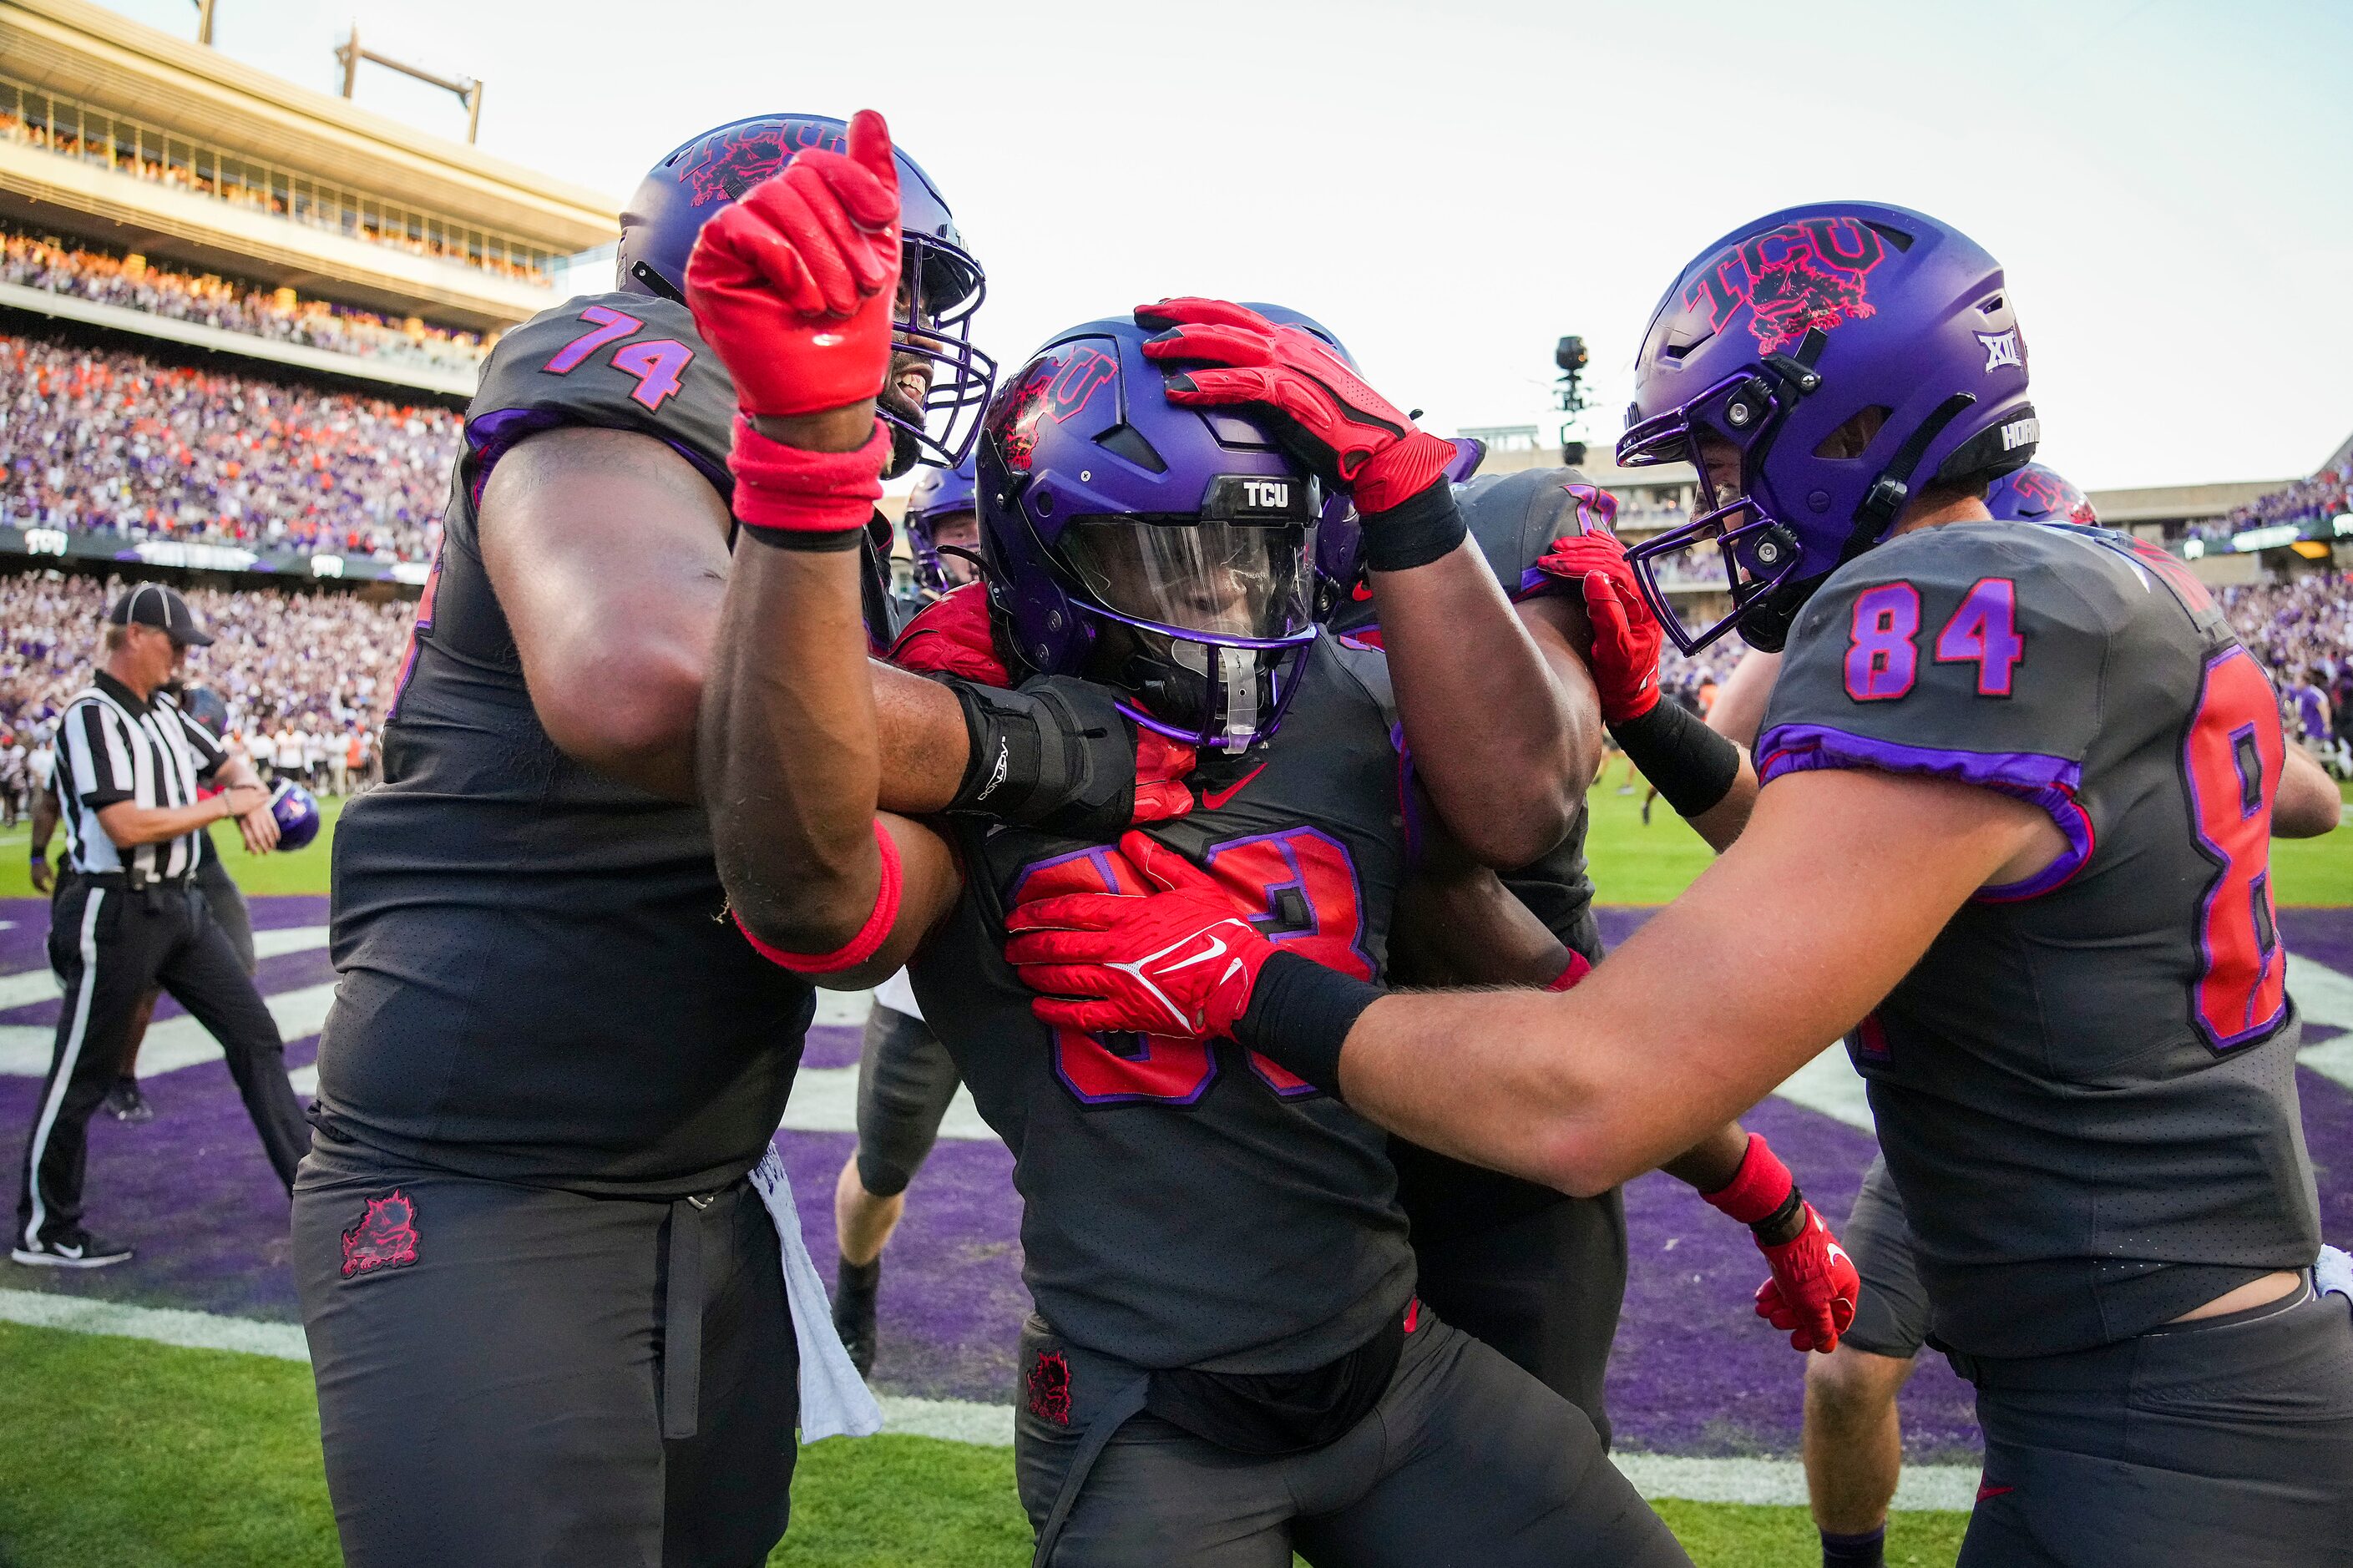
point(1692, 766)
point(39, 856)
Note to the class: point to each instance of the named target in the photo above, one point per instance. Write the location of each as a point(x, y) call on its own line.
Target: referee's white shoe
point(81, 1250)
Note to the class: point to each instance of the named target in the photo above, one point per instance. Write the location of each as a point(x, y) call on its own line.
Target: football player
point(545, 1307)
point(2012, 840)
point(1535, 1272)
point(1853, 1440)
point(1227, 1358)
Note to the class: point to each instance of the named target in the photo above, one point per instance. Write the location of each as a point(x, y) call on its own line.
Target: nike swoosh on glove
point(1814, 1286)
point(1350, 435)
point(1626, 636)
point(1180, 962)
point(794, 284)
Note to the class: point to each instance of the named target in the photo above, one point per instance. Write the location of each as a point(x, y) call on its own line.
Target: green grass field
point(163, 1457)
point(152, 1457)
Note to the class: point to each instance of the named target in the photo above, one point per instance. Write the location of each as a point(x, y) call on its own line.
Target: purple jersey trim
point(2048, 781)
point(493, 435)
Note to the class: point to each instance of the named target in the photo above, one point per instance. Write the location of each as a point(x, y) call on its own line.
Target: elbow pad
point(1056, 754)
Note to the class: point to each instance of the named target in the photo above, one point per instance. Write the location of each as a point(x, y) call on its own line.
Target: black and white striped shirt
point(112, 747)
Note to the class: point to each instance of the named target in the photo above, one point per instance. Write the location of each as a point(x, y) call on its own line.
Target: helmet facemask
point(941, 287)
point(1724, 434)
point(1202, 619)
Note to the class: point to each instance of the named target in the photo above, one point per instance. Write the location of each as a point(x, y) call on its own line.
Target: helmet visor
point(1222, 579)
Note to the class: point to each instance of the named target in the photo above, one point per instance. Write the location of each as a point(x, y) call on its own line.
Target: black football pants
point(2226, 1441)
point(1544, 1286)
point(516, 1375)
point(1465, 1459)
point(109, 945)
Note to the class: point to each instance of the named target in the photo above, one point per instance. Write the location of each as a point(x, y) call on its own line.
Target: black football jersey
point(1512, 518)
point(2086, 1089)
point(538, 983)
point(1189, 1203)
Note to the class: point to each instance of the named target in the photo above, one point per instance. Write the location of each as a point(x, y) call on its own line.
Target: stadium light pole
point(204, 21)
point(349, 54)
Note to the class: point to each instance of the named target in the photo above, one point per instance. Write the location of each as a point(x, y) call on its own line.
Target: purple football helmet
point(2037, 494)
point(297, 813)
point(1167, 552)
point(939, 494)
point(1842, 356)
point(940, 284)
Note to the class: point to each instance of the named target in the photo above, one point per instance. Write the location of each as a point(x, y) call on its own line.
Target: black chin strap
point(1892, 488)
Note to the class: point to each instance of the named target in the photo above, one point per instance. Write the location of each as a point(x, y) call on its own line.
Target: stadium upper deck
point(145, 143)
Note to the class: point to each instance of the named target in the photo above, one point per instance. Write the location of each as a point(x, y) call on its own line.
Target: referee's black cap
point(160, 606)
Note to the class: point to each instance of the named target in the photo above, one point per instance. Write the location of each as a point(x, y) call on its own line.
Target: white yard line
point(964, 1421)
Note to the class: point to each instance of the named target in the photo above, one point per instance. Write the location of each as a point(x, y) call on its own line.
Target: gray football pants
point(1465, 1459)
point(520, 1375)
point(2228, 1441)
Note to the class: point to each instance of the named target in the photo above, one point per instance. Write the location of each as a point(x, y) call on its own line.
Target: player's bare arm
point(608, 552)
point(1504, 730)
point(1839, 885)
point(2308, 804)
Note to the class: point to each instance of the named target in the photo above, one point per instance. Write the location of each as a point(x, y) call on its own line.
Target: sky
point(1452, 187)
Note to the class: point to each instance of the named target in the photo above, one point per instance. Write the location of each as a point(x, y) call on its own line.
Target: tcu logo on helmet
point(729, 164)
point(1060, 382)
point(1801, 277)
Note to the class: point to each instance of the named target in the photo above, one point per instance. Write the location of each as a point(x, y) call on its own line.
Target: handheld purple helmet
point(1845, 355)
point(297, 813)
point(940, 284)
point(2037, 494)
point(939, 493)
point(206, 707)
point(1167, 552)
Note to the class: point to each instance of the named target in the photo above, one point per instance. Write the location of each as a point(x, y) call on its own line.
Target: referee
point(128, 763)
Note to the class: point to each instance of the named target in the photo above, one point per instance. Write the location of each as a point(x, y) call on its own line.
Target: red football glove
point(1625, 635)
point(1814, 1285)
point(1346, 432)
point(1161, 793)
point(794, 285)
point(1813, 1289)
point(1181, 962)
point(951, 636)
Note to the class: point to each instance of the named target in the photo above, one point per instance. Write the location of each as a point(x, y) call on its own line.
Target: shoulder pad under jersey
point(617, 362)
point(1513, 517)
point(1977, 652)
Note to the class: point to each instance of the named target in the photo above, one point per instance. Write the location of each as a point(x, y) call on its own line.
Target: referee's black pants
point(108, 943)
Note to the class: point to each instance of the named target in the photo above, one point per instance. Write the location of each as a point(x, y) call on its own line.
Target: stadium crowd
point(116, 442)
point(2326, 494)
point(265, 198)
point(306, 675)
point(109, 279)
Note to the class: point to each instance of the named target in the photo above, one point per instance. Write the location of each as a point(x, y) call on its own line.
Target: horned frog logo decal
point(386, 1237)
point(1810, 276)
point(728, 164)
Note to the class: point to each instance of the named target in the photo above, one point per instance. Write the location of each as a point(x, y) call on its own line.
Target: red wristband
point(859, 948)
point(792, 489)
point(1762, 1185)
point(1577, 969)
